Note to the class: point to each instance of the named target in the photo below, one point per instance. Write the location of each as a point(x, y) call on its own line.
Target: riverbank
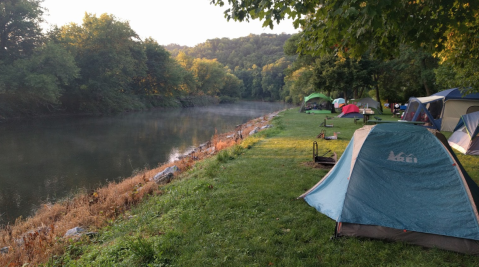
point(32, 239)
point(239, 208)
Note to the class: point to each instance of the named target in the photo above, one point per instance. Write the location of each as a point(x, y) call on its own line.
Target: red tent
point(350, 109)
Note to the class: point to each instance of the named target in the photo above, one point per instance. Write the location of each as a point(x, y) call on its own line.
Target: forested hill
point(257, 60)
point(243, 52)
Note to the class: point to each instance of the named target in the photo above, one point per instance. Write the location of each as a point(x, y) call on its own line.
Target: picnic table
point(365, 118)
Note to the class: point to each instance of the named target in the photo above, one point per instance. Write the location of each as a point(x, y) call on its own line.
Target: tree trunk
point(428, 92)
point(377, 92)
point(379, 99)
point(423, 65)
point(361, 91)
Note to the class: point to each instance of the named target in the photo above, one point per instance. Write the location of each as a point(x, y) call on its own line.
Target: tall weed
point(142, 250)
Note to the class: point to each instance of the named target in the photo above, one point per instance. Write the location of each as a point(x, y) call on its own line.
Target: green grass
point(239, 208)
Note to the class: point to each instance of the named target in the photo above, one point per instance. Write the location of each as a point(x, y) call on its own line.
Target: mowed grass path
point(239, 208)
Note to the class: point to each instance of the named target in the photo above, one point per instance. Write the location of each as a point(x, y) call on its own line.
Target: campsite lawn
point(240, 208)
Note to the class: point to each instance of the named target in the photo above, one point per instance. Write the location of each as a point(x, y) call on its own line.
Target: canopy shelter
point(350, 111)
point(317, 103)
point(338, 101)
point(400, 182)
point(367, 102)
point(466, 134)
point(441, 110)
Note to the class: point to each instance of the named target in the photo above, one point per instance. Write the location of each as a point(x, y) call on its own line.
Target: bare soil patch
point(316, 165)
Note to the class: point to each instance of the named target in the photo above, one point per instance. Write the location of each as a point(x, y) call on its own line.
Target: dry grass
point(37, 238)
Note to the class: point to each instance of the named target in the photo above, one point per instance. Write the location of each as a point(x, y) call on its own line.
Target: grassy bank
point(239, 208)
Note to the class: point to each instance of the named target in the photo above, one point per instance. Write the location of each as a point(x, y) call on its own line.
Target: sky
point(183, 22)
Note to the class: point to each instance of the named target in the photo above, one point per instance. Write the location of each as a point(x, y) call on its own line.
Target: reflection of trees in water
point(46, 159)
point(13, 199)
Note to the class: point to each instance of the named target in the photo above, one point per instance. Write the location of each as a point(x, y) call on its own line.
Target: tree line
point(102, 66)
point(99, 66)
point(413, 72)
point(257, 60)
point(396, 48)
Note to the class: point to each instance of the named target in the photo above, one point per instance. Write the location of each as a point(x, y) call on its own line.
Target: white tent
point(465, 137)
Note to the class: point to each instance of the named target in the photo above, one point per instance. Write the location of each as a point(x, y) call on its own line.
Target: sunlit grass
point(240, 208)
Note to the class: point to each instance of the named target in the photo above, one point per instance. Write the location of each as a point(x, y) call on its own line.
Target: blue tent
point(466, 134)
point(400, 182)
point(442, 110)
point(338, 101)
point(470, 122)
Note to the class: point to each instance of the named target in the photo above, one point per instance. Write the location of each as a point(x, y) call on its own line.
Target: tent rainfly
point(317, 102)
point(338, 101)
point(399, 182)
point(367, 102)
point(442, 110)
point(350, 111)
point(466, 134)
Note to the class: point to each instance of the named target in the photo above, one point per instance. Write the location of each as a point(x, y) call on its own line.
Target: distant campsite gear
point(399, 182)
point(322, 159)
point(323, 124)
point(338, 101)
point(333, 137)
point(442, 110)
point(366, 102)
point(321, 134)
point(317, 103)
point(350, 111)
point(466, 134)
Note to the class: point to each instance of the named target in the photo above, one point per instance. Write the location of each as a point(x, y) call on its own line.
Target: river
point(43, 160)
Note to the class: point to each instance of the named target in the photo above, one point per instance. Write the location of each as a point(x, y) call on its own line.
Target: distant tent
point(367, 102)
point(350, 111)
point(316, 103)
point(338, 101)
point(465, 137)
point(399, 182)
point(441, 110)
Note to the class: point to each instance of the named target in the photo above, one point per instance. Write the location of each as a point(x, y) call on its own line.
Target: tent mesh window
point(472, 109)
point(435, 108)
point(411, 111)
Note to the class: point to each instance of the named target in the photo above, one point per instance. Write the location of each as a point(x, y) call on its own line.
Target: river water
point(45, 159)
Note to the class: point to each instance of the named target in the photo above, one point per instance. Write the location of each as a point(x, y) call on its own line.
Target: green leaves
point(42, 75)
point(20, 31)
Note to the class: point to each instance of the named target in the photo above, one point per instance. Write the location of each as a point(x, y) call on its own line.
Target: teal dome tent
point(401, 182)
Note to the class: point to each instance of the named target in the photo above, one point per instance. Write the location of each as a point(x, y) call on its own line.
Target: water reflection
point(42, 160)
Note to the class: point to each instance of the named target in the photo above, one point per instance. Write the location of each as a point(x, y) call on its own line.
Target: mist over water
point(43, 160)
